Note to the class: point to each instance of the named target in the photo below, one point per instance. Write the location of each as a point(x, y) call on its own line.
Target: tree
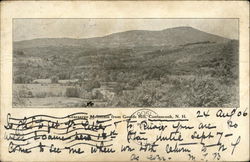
point(22, 79)
point(92, 84)
point(20, 53)
point(72, 92)
point(54, 79)
point(64, 75)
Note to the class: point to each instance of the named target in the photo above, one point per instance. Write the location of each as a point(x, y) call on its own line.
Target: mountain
point(177, 67)
point(134, 38)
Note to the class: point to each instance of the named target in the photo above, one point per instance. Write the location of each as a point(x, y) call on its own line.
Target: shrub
point(72, 92)
point(134, 82)
point(64, 75)
point(40, 95)
point(97, 95)
point(92, 84)
point(18, 100)
point(30, 94)
point(205, 93)
point(54, 79)
point(20, 53)
point(22, 79)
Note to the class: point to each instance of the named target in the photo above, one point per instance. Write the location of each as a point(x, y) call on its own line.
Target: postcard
point(124, 81)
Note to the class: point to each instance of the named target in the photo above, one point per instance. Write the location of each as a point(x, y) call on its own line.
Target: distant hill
point(134, 38)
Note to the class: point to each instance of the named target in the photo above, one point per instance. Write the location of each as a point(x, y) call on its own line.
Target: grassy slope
point(191, 71)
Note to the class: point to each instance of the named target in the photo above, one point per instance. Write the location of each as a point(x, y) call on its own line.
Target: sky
point(26, 29)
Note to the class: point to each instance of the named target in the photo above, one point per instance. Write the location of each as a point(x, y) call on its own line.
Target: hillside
point(179, 58)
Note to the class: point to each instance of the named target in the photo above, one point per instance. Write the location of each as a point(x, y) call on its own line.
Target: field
point(52, 95)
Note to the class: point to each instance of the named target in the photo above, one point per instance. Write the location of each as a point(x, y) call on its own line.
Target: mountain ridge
point(167, 37)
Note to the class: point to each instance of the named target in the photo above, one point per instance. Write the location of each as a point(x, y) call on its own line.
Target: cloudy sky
point(26, 29)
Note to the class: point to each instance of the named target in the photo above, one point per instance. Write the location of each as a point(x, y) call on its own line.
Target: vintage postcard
point(124, 81)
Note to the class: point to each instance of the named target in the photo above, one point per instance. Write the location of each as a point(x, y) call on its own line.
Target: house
point(68, 81)
point(42, 81)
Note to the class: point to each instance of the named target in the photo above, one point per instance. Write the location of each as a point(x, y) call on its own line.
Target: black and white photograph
point(125, 63)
